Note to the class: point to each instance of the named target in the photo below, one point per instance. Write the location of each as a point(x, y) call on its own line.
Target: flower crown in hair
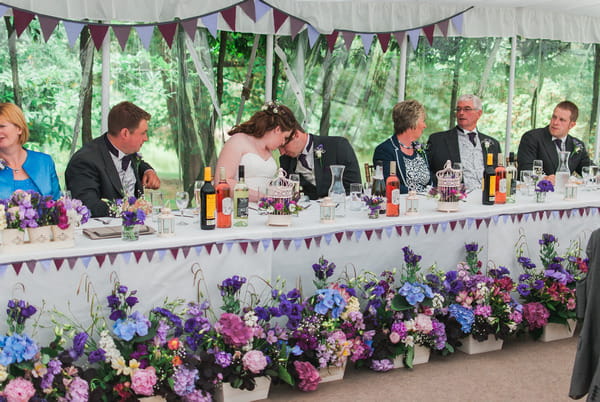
point(271, 107)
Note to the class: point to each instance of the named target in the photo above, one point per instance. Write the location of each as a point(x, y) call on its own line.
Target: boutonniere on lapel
point(486, 144)
point(136, 159)
point(577, 147)
point(319, 151)
point(2, 164)
point(419, 148)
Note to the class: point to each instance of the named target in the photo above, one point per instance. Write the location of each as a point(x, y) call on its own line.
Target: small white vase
point(12, 237)
point(554, 332)
point(332, 373)
point(41, 234)
point(226, 393)
point(421, 356)
point(471, 346)
point(63, 234)
point(279, 220)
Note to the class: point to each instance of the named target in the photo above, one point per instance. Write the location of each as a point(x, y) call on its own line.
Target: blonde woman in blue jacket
point(20, 168)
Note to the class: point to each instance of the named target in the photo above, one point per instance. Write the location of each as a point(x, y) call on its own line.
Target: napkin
point(111, 232)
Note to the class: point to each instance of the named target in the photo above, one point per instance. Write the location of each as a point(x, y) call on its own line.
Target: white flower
point(486, 144)
point(292, 207)
point(319, 151)
point(409, 341)
point(250, 319)
point(3, 373)
point(437, 301)
point(2, 164)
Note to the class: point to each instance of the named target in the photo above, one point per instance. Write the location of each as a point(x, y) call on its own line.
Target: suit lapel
point(452, 144)
point(551, 153)
point(318, 163)
point(111, 170)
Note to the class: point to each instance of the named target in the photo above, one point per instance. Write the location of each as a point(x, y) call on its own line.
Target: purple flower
point(547, 239)
point(382, 365)
point(78, 345)
point(223, 359)
point(184, 381)
point(98, 355)
point(544, 186)
point(131, 301)
point(471, 247)
point(54, 366)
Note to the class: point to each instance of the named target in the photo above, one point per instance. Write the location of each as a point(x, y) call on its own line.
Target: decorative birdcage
point(279, 203)
point(448, 188)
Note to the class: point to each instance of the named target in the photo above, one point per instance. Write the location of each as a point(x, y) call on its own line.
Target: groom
point(311, 155)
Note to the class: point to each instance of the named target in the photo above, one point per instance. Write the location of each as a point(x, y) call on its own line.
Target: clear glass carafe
point(337, 192)
point(562, 173)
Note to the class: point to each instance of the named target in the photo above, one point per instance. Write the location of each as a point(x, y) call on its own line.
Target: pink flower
point(233, 329)
point(278, 206)
point(19, 390)
point(394, 337)
point(308, 374)
point(536, 315)
point(143, 381)
point(483, 310)
point(78, 390)
point(571, 304)
point(254, 361)
point(423, 323)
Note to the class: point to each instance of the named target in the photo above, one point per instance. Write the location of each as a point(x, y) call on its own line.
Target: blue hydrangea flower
point(463, 315)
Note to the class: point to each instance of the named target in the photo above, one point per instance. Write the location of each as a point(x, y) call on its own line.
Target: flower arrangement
point(131, 210)
point(544, 186)
point(279, 206)
point(23, 210)
point(374, 204)
point(69, 211)
point(549, 292)
point(449, 194)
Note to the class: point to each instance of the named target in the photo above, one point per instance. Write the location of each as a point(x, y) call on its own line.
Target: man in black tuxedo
point(110, 166)
point(464, 144)
point(545, 143)
point(311, 155)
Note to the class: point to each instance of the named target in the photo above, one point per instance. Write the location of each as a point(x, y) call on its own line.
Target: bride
point(252, 143)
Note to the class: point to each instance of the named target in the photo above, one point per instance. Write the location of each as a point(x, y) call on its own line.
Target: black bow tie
point(125, 161)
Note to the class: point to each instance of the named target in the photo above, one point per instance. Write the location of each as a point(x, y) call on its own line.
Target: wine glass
point(182, 198)
point(355, 196)
point(156, 199)
point(527, 178)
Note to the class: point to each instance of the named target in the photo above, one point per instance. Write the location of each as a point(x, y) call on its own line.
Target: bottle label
point(396, 196)
point(492, 187)
point(502, 186)
point(211, 206)
point(227, 206)
point(242, 208)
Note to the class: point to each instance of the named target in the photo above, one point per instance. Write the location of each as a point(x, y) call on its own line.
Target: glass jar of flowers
point(133, 212)
point(542, 188)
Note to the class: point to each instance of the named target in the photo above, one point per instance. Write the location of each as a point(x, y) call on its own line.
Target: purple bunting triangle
point(313, 35)
point(444, 226)
point(122, 34)
point(72, 261)
point(407, 228)
point(168, 32)
point(3, 267)
point(161, 254)
point(31, 265)
point(453, 225)
point(413, 36)
point(73, 30)
point(174, 252)
point(426, 226)
point(189, 26)
point(435, 226)
point(388, 231)
point(209, 247)
point(228, 246)
point(98, 32)
point(266, 243)
point(384, 40)
point(260, 9)
point(198, 250)
point(295, 26)
point(145, 33)
point(331, 39)
point(47, 24)
point(417, 228)
point(21, 20)
point(399, 37)
point(46, 264)
point(254, 245)
point(328, 237)
point(150, 254)
point(3, 9)
point(348, 38)
point(297, 243)
point(318, 240)
point(428, 31)
point(378, 232)
point(17, 267)
point(243, 246)
point(186, 250)
point(286, 244)
point(229, 17)
point(367, 40)
point(443, 26)
point(127, 257)
point(219, 247)
point(210, 22)
point(358, 234)
point(85, 260)
point(457, 21)
point(249, 9)
point(112, 257)
point(278, 19)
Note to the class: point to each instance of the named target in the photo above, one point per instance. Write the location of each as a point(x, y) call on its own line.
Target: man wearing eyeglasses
point(311, 155)
point(463, 144)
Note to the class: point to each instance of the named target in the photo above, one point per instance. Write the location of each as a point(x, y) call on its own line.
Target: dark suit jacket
point(389, 151)
point(338, 151)
point(585, 378)
point(91, 175)
point(443, 146)
point(537, 144)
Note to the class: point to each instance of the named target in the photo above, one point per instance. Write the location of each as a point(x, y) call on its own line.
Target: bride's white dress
point(258, 171)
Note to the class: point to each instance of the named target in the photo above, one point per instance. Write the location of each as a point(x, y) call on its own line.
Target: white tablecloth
point(190, 265)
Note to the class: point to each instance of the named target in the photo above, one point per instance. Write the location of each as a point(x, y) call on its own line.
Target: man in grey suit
point(311, 155)
point(110, 166)
point(545, 143)
point(464, 144)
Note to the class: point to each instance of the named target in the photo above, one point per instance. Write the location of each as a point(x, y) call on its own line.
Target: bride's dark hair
point(270, 116)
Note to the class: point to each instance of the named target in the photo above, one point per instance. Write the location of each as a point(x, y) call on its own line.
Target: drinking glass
point(538, 167)
point(355, 196)
point(586, 175)
point(594, 171)
point(527, 178)
point(157, 201)
point(295, 178)
point(197, 189)
point(182, 198)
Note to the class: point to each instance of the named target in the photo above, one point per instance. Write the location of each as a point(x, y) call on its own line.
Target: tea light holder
point(166, 223)
point(327, 210)
point(570, 191)
point(412, 203)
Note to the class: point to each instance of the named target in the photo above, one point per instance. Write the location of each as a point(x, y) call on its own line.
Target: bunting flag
point(168, 32)
point(260, 9)
point(47, 25)
point(413, 37)
point(428, 31)
point(21, 20)
point(249, 8)
point(295, 26)
point(73, 30)
point(443, 26)
point(219, 247)
point(278, 19)
point(266, 243)
point(457, 21)
point(331, 39)
point(384, 40)
point(3, 9)
point(150, 255)
point(145, 33)
point(348, 38)
point(189, 26)
point(210, 22)
point(98, 32)
point(122, 34)
point(229, 17)
point(367, 40)
point(400, 37)
point(328, 237)
point(3, 267)
point(313, 35)
point(31, 265)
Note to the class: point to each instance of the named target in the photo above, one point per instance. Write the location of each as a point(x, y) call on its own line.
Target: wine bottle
point(208, 202)
point(489, 181)
point(511, 178)
point(224, 201)
point(501, 185)
point(368, 184)
point(378, 187)
point(392, 192)
point(240, 200)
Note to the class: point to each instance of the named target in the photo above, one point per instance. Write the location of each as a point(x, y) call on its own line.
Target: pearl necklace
point(406, 146)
